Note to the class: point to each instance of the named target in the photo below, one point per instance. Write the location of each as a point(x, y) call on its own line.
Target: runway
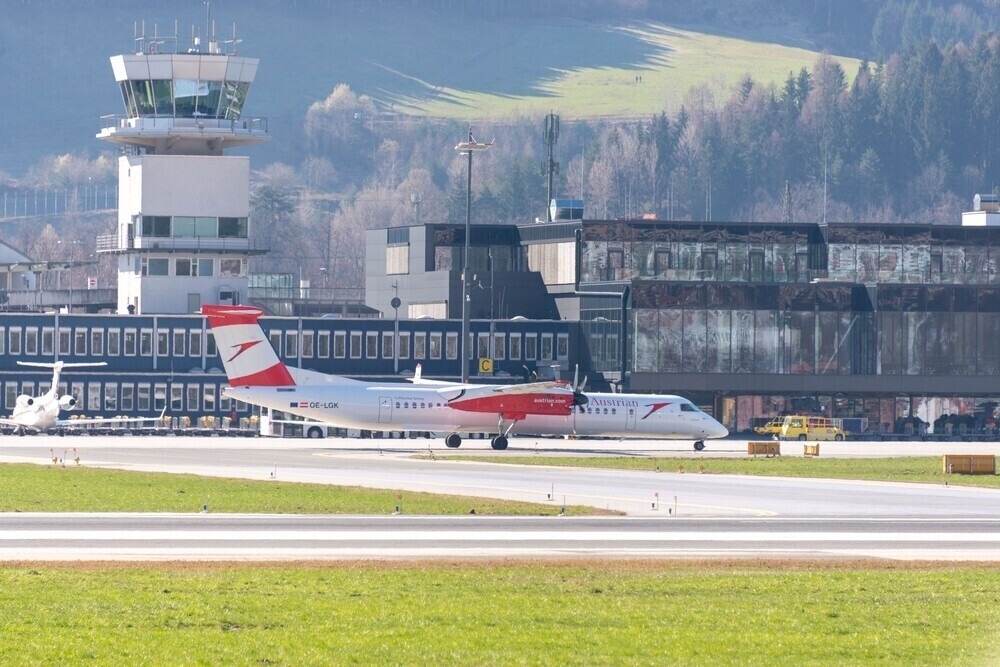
point(56, 537)
point(390, 464)
point(670, 513)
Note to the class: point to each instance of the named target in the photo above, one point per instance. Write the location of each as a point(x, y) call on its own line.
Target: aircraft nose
point(714, 429)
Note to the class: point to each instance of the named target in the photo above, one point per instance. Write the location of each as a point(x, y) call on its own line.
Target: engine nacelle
point(67, 402)
point(24, 401)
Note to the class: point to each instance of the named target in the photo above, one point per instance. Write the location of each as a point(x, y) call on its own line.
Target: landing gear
point(314, 432)
point(500, 441)
point(699, 445)
point(453, 441)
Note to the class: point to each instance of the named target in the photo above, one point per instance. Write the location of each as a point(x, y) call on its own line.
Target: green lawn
point(924, 469)
point(669, 61)
point(33, 488)
point(495, 613)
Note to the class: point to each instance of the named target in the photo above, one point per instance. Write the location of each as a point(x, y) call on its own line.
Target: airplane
point(472, 145)
point(41, 413)
point(258, 377)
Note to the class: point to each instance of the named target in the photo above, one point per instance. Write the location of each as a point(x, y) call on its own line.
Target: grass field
point(666, 63)
point(920, 469)
point(496, 613)
point(33, 488)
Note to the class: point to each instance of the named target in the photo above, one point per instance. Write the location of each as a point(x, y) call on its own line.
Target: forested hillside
point(908, 133)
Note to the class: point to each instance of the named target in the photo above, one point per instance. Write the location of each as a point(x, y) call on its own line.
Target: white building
point(183, 209)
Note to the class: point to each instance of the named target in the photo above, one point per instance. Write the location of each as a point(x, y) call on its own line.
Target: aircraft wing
point(418, 378)
point(514, 401)
point(107, 421)
point(10, 422)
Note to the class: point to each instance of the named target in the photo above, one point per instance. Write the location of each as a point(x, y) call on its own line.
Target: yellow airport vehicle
point(772, 427)
point(797, 427)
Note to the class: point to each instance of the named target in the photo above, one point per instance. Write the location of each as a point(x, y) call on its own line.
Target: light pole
point(467, 148)
point(395, 303)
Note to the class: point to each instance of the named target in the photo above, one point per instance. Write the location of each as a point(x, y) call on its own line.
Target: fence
point(36, 202)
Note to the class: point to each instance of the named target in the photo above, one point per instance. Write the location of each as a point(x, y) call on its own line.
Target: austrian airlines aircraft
point(258, 377)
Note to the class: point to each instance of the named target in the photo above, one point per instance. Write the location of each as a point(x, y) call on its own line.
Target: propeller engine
point(67, 402)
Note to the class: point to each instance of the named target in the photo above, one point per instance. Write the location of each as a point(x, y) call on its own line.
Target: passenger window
point(397, 405)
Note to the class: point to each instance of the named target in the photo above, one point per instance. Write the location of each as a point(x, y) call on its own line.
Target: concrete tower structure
point(183, 209)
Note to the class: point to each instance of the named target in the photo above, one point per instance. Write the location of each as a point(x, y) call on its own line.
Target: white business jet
point(258, 377)
point(41, 413)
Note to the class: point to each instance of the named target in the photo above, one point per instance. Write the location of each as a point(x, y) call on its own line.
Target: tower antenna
point(551, 167)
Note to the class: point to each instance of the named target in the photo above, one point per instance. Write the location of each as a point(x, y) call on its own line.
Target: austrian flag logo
point(299, 404)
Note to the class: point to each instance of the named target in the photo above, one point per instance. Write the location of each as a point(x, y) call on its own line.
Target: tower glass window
point(163, 97)
point(232, 228)
point(233, 96)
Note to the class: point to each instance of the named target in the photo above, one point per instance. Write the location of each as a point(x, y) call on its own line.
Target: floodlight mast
point(467, 148)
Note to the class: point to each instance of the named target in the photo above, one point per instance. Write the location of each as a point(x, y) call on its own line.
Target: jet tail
point(246, 354)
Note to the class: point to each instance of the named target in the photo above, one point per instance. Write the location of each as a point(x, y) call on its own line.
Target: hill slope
point(411, 61)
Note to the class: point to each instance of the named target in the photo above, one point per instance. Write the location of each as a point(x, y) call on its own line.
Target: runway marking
point(572, 498)
point(209, 535)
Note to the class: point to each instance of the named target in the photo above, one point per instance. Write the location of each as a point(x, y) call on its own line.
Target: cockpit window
point(687, 407)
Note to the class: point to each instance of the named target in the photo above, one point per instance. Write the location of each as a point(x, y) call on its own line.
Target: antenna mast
point(551, 167)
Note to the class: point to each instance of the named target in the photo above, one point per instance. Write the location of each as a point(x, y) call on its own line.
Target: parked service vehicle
point(772, 427)
point(797, 427)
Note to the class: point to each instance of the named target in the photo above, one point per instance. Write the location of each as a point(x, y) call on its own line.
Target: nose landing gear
point(699, 445)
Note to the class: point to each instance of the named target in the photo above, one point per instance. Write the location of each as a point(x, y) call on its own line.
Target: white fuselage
point(400, 407)
point(40, 415)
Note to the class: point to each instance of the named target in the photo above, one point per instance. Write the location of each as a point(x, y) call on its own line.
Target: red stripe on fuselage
point(525, 404)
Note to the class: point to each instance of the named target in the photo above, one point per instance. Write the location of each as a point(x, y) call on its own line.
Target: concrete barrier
point(810, 450)
point(968, 464)
point(766, 448)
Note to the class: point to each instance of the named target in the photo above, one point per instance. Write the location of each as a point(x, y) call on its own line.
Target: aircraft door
point(630, 419)
point(384, 409)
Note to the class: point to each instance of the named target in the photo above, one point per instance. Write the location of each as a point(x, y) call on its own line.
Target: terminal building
point(897, 325)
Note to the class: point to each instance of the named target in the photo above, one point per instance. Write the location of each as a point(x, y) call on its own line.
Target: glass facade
point(813, 318)
point(184, 98)
point(178, 226)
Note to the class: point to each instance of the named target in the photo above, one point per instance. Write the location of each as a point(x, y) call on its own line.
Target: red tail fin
point(245, 352)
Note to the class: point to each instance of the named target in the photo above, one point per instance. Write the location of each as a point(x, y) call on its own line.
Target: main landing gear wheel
point(453, 441)
point(499, 442)
point(699, 445)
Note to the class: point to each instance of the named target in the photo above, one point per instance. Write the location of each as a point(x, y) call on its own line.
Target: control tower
point(183, 208)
